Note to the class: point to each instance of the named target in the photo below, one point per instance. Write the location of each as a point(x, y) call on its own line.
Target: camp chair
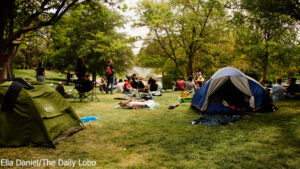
point(85, 87)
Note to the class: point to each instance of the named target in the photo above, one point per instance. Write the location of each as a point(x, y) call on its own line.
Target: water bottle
point(150, 96)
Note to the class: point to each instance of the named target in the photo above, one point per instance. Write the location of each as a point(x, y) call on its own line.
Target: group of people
point(279, 92)
point(132, 83)
point(109, 83)
point(192, 84)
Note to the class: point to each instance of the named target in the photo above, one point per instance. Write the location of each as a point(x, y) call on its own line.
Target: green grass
point(163, 138)
point(30, 73)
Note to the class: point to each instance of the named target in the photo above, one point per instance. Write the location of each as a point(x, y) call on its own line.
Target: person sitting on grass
point(153, 85)
point(60, 88)
point(102, 86)
point(292, 89)
point(120, 86)
point(180, 84)
point(127, 86)
point(190, 85)
point(141, 85)
point(134, 83)
point(277, 91)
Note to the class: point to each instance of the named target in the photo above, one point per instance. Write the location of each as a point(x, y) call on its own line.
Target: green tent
point(34, 117)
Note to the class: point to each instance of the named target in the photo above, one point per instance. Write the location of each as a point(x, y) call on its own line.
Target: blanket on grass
point(135, 104)
point(216, 119)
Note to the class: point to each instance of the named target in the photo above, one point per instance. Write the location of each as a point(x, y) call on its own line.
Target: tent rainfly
point(34, 115)
point(229, 91)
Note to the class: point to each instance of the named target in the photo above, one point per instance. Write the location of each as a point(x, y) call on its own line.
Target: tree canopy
point(18, 17)
point(258, 37)
point(89, 31)
point(212, 34)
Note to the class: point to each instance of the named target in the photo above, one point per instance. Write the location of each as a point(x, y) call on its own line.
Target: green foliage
point(183, 34)
point(33, 51)
point(267, 42)
point(89, 31)
point(287, 7)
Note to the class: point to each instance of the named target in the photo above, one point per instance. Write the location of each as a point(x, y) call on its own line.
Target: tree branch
point(58, 14)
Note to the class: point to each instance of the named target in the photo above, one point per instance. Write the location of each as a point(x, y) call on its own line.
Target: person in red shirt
point(180, 84)
point(127, 86)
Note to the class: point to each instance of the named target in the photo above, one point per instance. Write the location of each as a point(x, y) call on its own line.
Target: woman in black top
point(141, 86)
point(80, 69)
point(153, 85)
point(40, 72)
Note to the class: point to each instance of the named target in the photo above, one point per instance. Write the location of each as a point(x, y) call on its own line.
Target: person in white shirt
point(120, 86)
point(190, 85)
point(277, 91)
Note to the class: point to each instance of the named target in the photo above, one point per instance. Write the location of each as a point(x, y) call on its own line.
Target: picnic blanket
point(135, 104)
point(216, 119)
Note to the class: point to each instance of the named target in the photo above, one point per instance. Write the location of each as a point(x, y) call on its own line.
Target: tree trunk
point(3, 54)
point(11, 58)
point(265, 64)
point(178, 72)
point(190, 65)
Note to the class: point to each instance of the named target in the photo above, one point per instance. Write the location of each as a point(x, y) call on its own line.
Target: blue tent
point(230, 91)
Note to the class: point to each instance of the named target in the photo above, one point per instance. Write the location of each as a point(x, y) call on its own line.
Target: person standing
point(80, 69)
point(40, 72)
point(109, 73)
point(199, 78)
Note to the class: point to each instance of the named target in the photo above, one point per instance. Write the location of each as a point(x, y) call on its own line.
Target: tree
point(287, 7)
point(18, 17)
point(182, 28)
point(89, 31)
point(266, 40)
point(35, 47)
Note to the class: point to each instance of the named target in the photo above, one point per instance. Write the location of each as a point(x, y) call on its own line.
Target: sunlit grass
point(30, 73)
point(163, 138)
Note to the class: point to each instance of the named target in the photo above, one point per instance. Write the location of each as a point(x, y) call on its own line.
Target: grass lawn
point(163, 138)
point(30, 73)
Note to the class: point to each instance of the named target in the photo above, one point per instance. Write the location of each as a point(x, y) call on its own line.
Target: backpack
point(108, 71)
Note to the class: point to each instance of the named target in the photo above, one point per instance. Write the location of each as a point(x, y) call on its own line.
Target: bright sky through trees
point(133, 32)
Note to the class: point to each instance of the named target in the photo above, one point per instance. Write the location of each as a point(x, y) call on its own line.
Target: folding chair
point(85, 87)
point(93, 92)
